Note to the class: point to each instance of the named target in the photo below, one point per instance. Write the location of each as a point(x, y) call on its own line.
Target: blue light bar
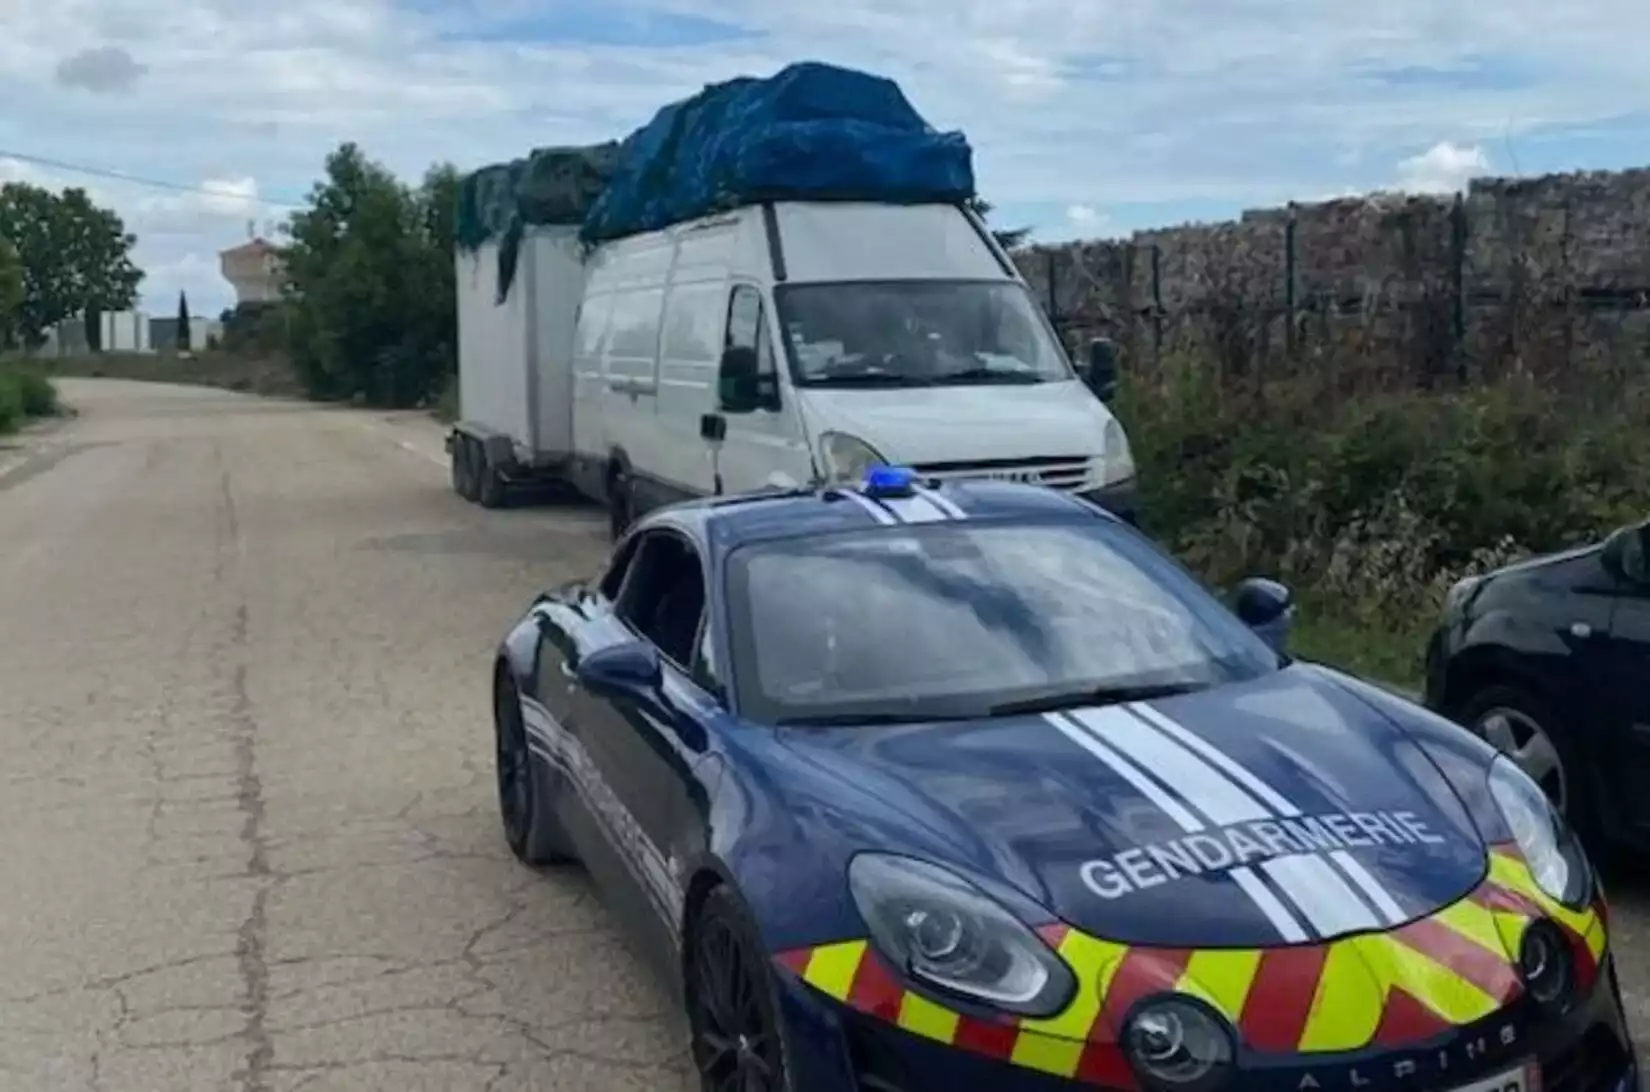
point(890, 481)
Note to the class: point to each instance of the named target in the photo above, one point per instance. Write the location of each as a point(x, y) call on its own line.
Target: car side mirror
point(740, 386)
point(1267, 607)
point(1626, 554)
point(1100, 371)
point(632, 671)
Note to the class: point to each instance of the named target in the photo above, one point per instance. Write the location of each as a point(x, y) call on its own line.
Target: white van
point(815, 339)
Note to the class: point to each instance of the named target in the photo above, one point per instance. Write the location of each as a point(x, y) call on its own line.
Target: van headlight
point(943, 932)
point(1116, 454)
point(1557, 862)
point(846, 458)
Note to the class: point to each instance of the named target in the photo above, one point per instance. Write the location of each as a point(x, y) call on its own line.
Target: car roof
point(727, 523)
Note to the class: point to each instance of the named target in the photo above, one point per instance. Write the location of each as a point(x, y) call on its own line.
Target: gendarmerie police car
point(913, 787)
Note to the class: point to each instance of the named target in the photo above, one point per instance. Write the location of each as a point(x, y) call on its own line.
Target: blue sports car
point(912, 787)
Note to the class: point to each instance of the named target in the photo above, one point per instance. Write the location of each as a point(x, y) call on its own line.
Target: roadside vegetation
point(1372, 506)
point(25, 395)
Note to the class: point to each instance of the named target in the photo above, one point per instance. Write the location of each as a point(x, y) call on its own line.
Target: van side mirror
point(740, 386)
point(1100, 372)
point(1267, 607)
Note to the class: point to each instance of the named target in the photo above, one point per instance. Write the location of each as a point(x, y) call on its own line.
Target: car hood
point(921, 425)
point(1280, 810)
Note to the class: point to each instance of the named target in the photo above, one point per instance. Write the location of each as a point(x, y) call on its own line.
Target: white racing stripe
point(916, 509)
point(1214, 788)
point(1083, 734)
point(945, 504)
point(878, 512)
point(1280, 805)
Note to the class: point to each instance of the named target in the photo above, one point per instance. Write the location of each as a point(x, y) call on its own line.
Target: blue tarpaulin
point(812, 132)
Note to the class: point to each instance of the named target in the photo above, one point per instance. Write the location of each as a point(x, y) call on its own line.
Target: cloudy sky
point(1088, 117)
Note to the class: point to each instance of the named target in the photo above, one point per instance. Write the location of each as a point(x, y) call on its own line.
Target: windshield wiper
point(988, 375)
point(1104, 695)
point(867, 379)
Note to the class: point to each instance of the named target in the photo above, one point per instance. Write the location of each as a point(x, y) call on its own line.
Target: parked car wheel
point(530, 830)
point(737, 1040)
point(1528, 731)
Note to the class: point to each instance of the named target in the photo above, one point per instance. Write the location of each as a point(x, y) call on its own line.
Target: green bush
point(1372, 507)
point(24, 393)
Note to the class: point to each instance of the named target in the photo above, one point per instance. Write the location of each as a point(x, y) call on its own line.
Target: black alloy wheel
point(738, 1045)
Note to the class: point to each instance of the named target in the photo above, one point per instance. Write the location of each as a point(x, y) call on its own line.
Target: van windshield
point(917, 334)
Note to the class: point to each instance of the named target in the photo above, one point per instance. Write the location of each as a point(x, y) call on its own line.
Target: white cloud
point(1445, 167)
point(1085, 216)
point(1100, 105)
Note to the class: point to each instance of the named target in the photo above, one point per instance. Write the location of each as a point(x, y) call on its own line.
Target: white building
point(125, 332)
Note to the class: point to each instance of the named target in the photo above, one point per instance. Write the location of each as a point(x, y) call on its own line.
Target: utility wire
point(154, 183)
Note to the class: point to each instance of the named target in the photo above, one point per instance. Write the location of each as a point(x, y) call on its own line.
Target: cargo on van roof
point(812, 132)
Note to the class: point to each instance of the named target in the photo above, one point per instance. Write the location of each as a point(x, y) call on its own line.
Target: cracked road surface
point(248, 827)
point(247, 824)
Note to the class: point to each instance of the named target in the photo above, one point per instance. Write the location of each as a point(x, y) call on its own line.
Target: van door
point(631, 368)
point(590, 445)
point(765, 446)
point(689, 348)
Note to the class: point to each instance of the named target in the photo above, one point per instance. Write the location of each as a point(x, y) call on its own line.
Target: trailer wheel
point(620, 504)
point(489, 482)
point(456, 454)
point(469, 486)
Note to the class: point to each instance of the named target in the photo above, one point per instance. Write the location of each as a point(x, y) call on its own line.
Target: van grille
point(1072, 473)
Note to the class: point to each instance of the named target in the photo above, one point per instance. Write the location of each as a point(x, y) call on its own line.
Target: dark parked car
point(1549, 660)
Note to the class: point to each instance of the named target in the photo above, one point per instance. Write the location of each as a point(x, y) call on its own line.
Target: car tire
point(737, 1039)
point(530, 830)
point(467, 450)
point(1530, 732)
point(621, 503)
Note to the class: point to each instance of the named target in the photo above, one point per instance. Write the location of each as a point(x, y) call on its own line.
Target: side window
point(748, 328)
point(664, 599)
point(592, 328)
point(613, 581)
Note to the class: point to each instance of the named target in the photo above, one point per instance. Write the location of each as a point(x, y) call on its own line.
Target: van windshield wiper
point(988, 375)
point(1103, 695)
point(866, 379)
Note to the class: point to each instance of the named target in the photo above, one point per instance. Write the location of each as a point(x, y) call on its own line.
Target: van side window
point(748, 328)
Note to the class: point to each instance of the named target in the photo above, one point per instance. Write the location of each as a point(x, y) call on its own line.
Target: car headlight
point(944, 932)
point(1555, 856)
point(846, 458)
point(1455, 599)
point(1177, 1044)
point(1116, 453)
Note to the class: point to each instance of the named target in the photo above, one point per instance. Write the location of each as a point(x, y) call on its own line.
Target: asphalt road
point(247, 828)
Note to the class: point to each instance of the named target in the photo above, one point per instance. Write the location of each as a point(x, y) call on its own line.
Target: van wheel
point(621, 505)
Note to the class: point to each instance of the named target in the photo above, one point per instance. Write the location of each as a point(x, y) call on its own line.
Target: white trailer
point(515, 366)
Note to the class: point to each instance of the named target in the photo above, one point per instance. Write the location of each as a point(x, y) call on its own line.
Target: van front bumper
point(1121, 499)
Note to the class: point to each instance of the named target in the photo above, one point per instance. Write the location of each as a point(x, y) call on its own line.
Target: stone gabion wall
point(1549, 275)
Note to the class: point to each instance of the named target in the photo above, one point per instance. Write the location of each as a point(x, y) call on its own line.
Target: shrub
point(24, 393)
point(1371, 507)
point(11, 403)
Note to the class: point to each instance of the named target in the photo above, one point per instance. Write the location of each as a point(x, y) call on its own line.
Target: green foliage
point(74, 256)
point(11, 292)
point(1372, 508)
point(24, 393)
point(184, 340)
point(370, 304)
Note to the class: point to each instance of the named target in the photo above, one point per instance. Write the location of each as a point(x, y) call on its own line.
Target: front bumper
point(1121, 499)
point(834, 1048)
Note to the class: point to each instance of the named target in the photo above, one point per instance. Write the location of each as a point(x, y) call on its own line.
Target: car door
point(1625, 676)
point(765, 446)
point(644, 756)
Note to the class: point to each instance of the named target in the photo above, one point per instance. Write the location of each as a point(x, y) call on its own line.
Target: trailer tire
point(490, 489)
point(456, 456)
point(621, 504)
point(470, 483)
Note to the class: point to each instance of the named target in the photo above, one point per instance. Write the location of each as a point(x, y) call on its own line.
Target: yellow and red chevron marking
point(1381, 989)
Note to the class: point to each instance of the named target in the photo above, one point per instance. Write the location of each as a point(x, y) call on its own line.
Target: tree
point(11, 293)
point(184, 341)
point(75, 257)
point(369, 291)
point(1007, 239)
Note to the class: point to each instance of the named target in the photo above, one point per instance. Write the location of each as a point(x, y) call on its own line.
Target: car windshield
point(958, 620)
point(917, 334)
